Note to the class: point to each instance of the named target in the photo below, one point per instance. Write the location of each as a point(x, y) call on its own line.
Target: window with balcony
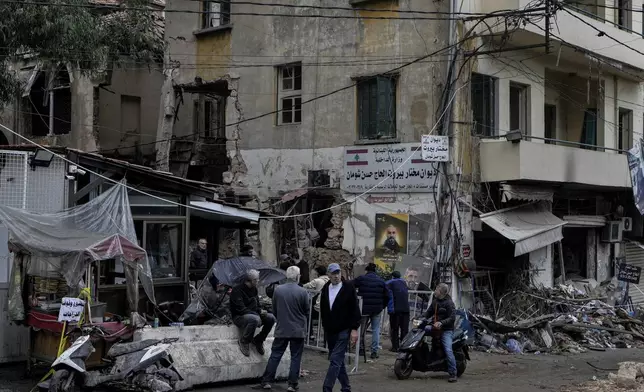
point(216, 13)
point(377, 108)
point(624, 19)
point(289, 94)
point(550, 123)
point(625, 129)
point(483, 104)
point(519, 108)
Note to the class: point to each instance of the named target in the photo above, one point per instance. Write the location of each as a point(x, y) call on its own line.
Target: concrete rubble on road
point(629, 377)
point(571, 318)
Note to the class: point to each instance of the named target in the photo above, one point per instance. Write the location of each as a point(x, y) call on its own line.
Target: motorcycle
point(416, 353)
point(137, 366)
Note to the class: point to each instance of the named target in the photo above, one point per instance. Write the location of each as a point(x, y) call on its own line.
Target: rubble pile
point(629, 377)
point(572, 318)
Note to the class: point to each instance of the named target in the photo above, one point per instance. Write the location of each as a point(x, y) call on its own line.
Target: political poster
point(391, 239)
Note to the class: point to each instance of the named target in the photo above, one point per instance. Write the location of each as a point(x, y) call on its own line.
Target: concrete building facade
point(304, 96)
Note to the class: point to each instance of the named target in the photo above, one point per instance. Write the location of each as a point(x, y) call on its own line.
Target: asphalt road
point(486, 372)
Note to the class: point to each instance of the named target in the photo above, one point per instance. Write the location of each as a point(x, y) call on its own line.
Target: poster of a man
point(391, 238)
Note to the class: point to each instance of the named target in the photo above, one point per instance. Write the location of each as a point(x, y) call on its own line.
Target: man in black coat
point(248, 316)
point(442, 315)
point(373, 290)
point(341, 316)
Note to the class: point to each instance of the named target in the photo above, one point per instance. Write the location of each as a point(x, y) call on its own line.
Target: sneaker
point(292, 388)
point(259, 346)
point(263, 385)
point(452, 379)
point(244, 348)
point(374, 355)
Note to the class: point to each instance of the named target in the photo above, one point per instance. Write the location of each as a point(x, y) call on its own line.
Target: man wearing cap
point(341, 317)
point(398, 309)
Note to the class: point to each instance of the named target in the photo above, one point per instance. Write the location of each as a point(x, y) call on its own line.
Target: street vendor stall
point(54, 256)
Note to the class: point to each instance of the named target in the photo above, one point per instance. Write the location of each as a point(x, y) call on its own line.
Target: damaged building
point(250, 116)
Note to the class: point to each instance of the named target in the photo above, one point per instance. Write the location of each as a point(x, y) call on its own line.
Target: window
point(131, 116)
point(377, 108)
point(624, 15)
point(550, 123)
point(519, 108)
point(209, 116)
point(163, 242)
point(216, 13)
point(483, 104)
point(290, 94)
point(625, 131)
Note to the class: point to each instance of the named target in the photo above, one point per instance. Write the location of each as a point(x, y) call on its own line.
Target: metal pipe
point(51, 113)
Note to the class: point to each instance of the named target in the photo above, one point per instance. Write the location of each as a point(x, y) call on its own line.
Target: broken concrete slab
point(206, 354)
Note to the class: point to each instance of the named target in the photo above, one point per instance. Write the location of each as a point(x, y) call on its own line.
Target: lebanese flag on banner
point(354, 158)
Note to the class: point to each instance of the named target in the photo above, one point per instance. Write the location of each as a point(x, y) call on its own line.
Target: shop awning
point(223, 212)
point(529, 227)
point(585, 221)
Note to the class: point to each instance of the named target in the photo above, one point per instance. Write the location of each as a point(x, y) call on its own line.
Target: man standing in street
point(248, 316)
point(398, 309)
point(373, 291)
point(442, 315)
point(341, 316)
point(291, 309)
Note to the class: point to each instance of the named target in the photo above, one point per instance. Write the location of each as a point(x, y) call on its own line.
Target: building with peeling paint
point(300, 110)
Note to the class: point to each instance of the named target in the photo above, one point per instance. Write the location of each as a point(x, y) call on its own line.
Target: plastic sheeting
point(636, 166)
point(69, 240)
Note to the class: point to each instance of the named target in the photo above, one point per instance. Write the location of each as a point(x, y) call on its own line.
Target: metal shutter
point(635, 256)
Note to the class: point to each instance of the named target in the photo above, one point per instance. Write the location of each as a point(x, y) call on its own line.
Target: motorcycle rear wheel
point(403, 368)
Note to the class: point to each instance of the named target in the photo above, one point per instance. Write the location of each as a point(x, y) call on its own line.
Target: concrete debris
point(629, 377)
point(571, 318)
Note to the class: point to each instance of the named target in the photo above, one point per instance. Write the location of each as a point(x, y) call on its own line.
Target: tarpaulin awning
point(585, 220)
point(525, 192)
point(529, 227)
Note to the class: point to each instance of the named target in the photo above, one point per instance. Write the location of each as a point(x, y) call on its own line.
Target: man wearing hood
point(442, 316)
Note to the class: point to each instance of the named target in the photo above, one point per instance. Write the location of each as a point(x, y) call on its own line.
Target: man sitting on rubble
point(442, 314)
point(248, 315)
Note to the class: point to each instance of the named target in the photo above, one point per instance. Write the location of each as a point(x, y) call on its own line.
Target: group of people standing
point(340, 314)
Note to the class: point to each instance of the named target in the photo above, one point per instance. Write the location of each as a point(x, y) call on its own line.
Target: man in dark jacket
point(442, 315)
point(398, 309)
point(373, 291)
point(341, 319)
point(248, 316)
point(199, 256)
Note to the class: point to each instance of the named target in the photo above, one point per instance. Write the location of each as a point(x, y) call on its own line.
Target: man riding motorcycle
point(442, 313)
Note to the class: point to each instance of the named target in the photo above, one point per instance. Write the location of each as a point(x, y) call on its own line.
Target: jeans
point(277, 351)
point(399, 323)
point(375, 330)
point(338, 344)
point(248, 323)
point(446, 339)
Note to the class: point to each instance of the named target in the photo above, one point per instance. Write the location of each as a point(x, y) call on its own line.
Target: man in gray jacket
point(291, 308)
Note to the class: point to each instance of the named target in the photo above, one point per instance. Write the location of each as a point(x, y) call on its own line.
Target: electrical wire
point(118, 183)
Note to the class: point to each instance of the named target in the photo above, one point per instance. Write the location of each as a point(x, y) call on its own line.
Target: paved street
point(486, 372)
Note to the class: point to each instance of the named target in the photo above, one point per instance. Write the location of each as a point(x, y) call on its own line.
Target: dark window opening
point(377, 108)
point(550, 123)
point(216, 13)
point(44, 96)
point(625, 129)
point(483, 104)
point(290, 94)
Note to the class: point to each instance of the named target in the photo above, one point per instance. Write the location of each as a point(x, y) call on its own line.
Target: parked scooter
point(138, 366)
point(416, 353)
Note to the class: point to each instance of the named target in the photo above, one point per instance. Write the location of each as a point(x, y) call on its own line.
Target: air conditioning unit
point(627, 224)
point(612, 232)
